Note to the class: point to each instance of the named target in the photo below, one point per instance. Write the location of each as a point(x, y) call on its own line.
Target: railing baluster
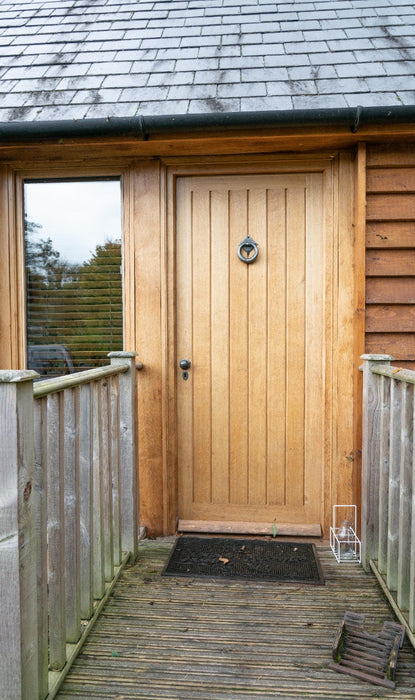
point(56, 539)
point(128, 452)
point(394, 485)
point(40, 488)
point(85, 500)
point(106, 481)
point(71, 479)
point(372, 407)
point(405, 505)
point(18, 615)
point(384, 474)
point(98, 576)
point(411, 603)
point(115, 464)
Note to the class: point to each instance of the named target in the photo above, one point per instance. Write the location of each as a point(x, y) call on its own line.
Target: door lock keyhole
point(185, 365)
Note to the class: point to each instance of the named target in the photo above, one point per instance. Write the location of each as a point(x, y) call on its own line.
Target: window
point(73, 273)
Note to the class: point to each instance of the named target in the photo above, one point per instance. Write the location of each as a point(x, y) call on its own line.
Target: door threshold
point(246, 528)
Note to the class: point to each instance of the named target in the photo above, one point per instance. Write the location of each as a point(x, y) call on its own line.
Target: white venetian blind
point(73, 259)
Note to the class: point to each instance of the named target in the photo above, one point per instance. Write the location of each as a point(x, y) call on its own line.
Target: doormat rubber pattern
point(244, 559)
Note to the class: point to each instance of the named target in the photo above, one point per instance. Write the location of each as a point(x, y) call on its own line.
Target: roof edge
point(141, 127)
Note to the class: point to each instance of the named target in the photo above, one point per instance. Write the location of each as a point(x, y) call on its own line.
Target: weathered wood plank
point(106, 476)
point(411, 604)
point(405, 496)
point(115, 467)
point(98, 576)
point(56, 536)
point(372, 424)
point(40, 492)
point(48, 386)
point(384, 475)
point(71, 518)
point(128, 452)
point(85, 500)
point(162, 637)
point(18, 565)
point(395, 450)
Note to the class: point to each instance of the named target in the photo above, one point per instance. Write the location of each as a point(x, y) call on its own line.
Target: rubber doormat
point(244, 559)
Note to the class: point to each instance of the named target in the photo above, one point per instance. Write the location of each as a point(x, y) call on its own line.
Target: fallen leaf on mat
point(223, 560)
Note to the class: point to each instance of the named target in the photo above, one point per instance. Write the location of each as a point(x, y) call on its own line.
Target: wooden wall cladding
point(390, 252)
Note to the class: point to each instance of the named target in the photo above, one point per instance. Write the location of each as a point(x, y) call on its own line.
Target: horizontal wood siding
point(390, 252)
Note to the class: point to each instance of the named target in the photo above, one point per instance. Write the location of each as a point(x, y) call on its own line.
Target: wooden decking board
point(188, 639)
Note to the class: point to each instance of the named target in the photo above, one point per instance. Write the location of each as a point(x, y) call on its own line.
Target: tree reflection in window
point(73, 287)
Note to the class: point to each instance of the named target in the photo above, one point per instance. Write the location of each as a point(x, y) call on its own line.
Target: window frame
point(18, 316)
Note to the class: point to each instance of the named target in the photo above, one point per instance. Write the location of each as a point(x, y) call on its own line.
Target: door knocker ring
point(248, 245)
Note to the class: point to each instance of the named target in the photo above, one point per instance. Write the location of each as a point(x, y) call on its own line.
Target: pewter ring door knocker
point(250, 248)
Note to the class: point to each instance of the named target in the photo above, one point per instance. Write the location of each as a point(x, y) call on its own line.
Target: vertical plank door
point(253, 415)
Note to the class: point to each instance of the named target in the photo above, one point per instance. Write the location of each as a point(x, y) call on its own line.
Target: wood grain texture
point(85, 501)
point(390, 155)
point(406, 487)
point(251, 331)
point(391, 180)
point(241, 528)
point(371, 442)
point(390, 290)
point(71, 517)
point(40, 491)
point(56, 534)
point(395, 455)
point(390, 263)
point(390, 206)
point(390, 234)
point(391, 318)
point(18, 564)
point(400, 345)
point(160, 637)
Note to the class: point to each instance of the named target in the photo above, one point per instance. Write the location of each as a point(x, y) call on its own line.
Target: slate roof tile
point(214, 105)
point(79, 59)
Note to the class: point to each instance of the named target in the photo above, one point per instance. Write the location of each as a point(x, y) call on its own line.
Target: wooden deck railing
point(68, 514)
point(388, 482)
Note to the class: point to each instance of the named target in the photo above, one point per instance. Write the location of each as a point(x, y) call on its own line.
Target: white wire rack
point(344, 541)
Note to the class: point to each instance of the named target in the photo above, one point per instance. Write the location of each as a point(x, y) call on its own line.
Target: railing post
point(128, 452)
point(371, 441)
point(19, 671)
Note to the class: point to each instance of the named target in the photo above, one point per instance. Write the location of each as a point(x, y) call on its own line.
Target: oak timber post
point(128, 466)
point(372, 440)
point(19, 672)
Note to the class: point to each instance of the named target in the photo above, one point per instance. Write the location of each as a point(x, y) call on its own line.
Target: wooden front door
point(253, 414)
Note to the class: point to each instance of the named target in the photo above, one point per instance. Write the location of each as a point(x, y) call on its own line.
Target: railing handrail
point(54, 384)
point(399, 373)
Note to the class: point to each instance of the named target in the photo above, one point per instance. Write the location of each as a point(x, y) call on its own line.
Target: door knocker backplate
point(248, 250)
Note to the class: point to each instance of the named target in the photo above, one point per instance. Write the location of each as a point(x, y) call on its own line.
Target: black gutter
point(142, 127)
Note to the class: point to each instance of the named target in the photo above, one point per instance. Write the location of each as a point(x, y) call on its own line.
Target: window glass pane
point(73, 274)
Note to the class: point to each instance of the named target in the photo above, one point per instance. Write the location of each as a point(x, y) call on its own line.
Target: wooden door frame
point(339, 479)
